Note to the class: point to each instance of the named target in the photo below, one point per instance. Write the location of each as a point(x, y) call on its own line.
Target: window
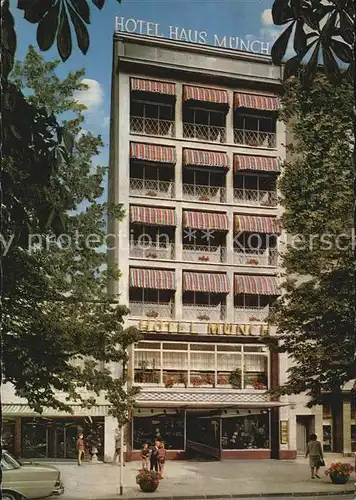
point(258, 123)
point(200, 116)
point(183, 364)
point(246, 432)
point(168, 428)
point(155, 110)
point(8, 462)
point(249, 301)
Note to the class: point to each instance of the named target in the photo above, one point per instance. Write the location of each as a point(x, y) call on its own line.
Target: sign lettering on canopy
point(149, 28)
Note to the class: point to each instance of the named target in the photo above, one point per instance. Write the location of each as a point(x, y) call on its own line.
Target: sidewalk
point(188, 479)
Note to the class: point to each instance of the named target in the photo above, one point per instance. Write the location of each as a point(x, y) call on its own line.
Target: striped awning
point(264, 163)
point(207, 95)
point(16, 410)
point(152, 152)
point(201, 158)
point(141, 85)
point(204, 282)
point(152, 278)
point(252, 224)
point(256, 285)
point(153, 216)
point(206, 220)
point(255, 101)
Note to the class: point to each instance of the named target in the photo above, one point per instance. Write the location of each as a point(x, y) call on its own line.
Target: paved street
point(200, 479)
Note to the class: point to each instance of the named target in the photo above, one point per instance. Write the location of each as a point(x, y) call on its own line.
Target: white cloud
point(266, 17)
point(91, 97)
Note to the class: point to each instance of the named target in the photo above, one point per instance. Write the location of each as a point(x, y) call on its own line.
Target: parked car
point(28, 481)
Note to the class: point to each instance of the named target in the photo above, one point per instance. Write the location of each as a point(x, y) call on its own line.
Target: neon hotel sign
point(179, 34)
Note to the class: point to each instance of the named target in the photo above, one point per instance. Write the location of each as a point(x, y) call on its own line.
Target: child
point(80, 448)
point(145, 454)
point(161, 458)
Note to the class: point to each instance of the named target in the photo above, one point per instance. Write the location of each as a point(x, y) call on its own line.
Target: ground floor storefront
point(199, 432)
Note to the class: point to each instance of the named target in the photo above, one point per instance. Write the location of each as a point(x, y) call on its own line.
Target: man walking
point(154, 456)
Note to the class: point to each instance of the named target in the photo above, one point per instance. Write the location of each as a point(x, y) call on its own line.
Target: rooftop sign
point(150, 28)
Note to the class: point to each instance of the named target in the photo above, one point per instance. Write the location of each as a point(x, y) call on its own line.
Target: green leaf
point(82, 8)
point(68, 140)
point(80, 30)
point(64, 37)
point(35, 12)
point(300, 39)
point(99, 3)
point(47, 28)
point(281, 12)
point(342, 51)
point(331, 66)
point(347, 27)
point(280, 45)
point(311, 67)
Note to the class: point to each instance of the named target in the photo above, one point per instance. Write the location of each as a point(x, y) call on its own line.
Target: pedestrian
point(162, 454)
point(145, 455)
point(117, 454)
point(316, 457)
point(154, 455)
point(80, 448)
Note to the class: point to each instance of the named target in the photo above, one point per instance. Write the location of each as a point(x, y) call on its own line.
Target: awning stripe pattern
point(256, 285)
point(206, 220)
point(201, 158)
point(252, 224)
point(203, 94)
point(152, 152)
point(152, 278)
point(255, 101)
point(153, 216)
point(204, 282)
point(141, 85)
point(262, 163)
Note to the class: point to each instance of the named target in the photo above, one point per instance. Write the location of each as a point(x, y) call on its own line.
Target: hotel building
point(196, 150)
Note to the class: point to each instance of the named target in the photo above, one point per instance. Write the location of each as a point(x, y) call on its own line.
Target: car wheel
point(7, 495)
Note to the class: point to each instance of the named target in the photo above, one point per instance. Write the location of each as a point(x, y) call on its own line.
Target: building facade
point(196, 150)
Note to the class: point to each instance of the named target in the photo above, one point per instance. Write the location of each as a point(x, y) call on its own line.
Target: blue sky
point(243, 18)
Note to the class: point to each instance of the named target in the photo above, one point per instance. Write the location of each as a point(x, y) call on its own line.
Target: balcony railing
point(152, 310)
point(144, 187)
point(251, 314)
point(213, 194)
point(255, 197)
point(152, 126)
point(255, 138)
point(266, 257)
point(153, 250)
point(203, 312)
point(204, 132)
point(204, 254)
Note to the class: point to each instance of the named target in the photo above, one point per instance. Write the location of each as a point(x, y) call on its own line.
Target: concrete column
point(110, 425)
point(230, 237)
point(318, 422)
point(179, 110)
point(230, 119)
point(179, 295)
point(178, 173)
point(17, 437)
point(230, 180)
point(347, 428)
point(230, 298)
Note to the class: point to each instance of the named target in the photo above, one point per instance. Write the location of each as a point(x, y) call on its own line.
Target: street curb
point(238, 495)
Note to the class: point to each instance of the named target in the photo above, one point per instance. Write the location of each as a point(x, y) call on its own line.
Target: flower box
point(253, 318)
point(204, 197)
point(339, 472)
point(151, 255)
point(253, 262)
point(203, 258)
point(151, 193)
point(152, 314)
point(148, 480)
point(203, 317)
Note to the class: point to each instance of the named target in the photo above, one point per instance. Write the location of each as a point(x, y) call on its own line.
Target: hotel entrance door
point(203, 434)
